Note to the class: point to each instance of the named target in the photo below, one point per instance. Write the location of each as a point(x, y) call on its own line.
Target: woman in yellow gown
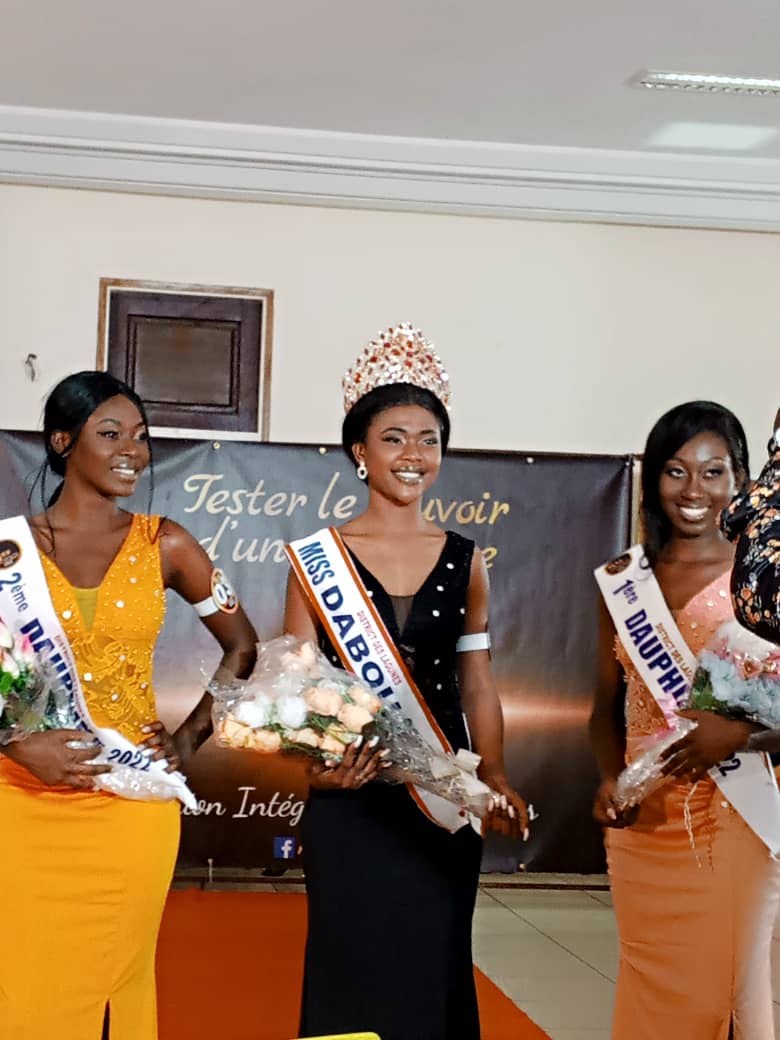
point(695, 889)
point(85, 873)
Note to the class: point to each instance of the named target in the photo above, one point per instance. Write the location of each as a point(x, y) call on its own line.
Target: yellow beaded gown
point(84, 874)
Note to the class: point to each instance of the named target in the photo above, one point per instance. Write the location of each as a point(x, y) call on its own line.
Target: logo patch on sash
point(222, 592)
point(10, 553)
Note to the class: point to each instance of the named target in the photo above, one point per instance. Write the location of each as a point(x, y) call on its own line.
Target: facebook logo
point(284, 848)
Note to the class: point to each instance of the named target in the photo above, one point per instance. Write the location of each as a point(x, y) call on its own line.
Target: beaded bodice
point(698, 621)
point(114, 655)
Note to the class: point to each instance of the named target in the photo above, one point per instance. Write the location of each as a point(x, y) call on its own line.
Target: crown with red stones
point(397, 355)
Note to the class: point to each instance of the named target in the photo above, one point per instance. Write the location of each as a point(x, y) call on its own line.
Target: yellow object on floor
point(344, 1036)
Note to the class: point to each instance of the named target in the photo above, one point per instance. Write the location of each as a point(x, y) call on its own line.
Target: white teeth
point(124, 472)
point(692, 514)
point(409, 476)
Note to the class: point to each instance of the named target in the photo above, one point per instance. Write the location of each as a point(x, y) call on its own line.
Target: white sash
point(329, 578)
point(25, 604)
point(667, 665)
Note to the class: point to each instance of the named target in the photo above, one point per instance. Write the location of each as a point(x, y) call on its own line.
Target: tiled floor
point(554, 952)
point(548, 941)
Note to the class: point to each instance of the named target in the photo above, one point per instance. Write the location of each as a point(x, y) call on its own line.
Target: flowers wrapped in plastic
point(738, 676)
point(33, 699)
point(644, 774)
point(297, 702)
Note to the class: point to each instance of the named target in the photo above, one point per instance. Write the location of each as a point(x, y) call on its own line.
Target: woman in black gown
point(391, 894)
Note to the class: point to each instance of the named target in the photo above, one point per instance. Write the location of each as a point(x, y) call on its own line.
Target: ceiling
point(550, 75)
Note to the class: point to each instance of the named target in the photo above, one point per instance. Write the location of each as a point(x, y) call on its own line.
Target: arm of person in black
point(508, 812)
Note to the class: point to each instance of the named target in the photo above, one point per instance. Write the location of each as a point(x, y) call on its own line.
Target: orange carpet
point(230, 964)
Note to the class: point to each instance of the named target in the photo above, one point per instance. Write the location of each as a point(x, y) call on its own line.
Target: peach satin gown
point(695, 918)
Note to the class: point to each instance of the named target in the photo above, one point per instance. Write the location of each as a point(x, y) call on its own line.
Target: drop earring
point(362, 472)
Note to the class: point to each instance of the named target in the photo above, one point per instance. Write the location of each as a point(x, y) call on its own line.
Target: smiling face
point(697, 484)
point(111, 451)
point(402, 452)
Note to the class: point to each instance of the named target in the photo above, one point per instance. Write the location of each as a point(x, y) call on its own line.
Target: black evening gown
point(391, 895)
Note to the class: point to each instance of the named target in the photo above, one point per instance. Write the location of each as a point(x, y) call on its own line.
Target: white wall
point(558, 336)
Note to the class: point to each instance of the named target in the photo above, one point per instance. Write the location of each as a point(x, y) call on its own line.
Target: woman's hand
point(161, 742)
point(606, 810)
point(714, 739)
point(360, 764)
point(508, 813)
point(49, 757)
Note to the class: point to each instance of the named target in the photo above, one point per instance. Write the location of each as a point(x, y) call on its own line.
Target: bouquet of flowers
point(297, 702)
point(32, 700)
point(737, 675)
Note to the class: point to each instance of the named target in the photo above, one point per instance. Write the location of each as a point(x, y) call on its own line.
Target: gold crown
point(397, 355)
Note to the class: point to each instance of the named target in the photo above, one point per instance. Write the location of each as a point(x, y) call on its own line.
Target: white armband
point(222, 599)
point(473, 641)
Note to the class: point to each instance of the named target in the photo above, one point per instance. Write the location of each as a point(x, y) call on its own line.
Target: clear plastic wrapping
point(413, 760)
point(31, 697)
point(643, 774)
point(33, 700)
point(739, 676)
point(297, 702)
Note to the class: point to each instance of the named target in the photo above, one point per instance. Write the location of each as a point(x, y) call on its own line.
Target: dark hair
point(363, 412)
point(67, 408)
point(672, 430)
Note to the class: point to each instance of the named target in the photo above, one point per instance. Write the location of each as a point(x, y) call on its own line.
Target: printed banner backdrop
point(543, 522)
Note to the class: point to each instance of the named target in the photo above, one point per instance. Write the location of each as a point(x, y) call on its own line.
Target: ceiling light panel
point(706, 84)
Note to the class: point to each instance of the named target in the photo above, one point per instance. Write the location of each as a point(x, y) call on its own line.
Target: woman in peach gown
point(695, 890)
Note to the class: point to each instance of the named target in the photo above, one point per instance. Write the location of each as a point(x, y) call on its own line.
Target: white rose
point(307, 737)
point(365, 698)
point(331, 745)
point(291, 711)
point(267, 741)
point(234, 734)
point(354, 717)
point(324, 700)
point(255, 713)
point(6, 639)
point(9, 665)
